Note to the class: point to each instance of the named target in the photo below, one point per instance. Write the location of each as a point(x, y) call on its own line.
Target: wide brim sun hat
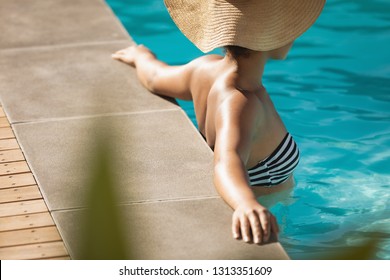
point(259, 25)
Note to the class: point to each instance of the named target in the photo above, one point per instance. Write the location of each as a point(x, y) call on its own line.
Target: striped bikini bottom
point(276, 168)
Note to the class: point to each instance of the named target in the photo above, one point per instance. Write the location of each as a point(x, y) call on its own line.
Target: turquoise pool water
point(333, 93)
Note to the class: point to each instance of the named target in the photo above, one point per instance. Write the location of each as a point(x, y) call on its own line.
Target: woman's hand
point(129, 54)
point(253, 222)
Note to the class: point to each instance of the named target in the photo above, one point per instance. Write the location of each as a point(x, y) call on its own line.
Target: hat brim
point(253, 24)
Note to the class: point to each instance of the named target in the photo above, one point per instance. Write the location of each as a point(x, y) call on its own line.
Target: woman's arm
point(235, 124)
point(157, 76)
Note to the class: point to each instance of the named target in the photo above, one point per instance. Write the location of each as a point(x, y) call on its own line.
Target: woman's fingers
point(265, 217)
point(120, 52)
point(126, 55)
point(236, 227)
point(118, 55)
point(254, 225)
point(274, 226)
point(256, 229)
point(250, 228)
point(245, 229)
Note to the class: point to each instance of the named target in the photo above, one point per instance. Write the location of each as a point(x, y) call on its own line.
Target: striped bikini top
point(276, 168)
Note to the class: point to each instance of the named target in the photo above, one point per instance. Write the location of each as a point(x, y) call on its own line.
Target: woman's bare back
point(214, 83)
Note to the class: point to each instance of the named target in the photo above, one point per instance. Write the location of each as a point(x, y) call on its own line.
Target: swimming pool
point(333, 93)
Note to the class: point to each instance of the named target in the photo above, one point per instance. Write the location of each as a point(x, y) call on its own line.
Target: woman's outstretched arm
point(157, 76)
point(235, 123)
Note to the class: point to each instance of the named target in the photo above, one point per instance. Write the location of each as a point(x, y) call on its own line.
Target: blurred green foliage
point(103, 236)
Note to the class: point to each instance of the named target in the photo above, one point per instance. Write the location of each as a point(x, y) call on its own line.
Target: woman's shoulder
point(206, 59)
point(234, 101)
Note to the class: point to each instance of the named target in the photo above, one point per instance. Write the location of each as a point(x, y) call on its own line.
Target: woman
point(253, 152)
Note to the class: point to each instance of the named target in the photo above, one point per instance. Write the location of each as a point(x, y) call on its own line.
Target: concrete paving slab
point(160, 156)
point(72, 81)
point(48, 22)
point(189, 229)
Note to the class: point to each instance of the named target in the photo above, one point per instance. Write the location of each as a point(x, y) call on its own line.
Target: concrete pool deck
point(57, 82)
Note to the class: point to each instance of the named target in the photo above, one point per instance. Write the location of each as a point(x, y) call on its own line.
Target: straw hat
point(259, 25)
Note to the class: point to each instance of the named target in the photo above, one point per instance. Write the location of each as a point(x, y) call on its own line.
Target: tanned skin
point(237, 117)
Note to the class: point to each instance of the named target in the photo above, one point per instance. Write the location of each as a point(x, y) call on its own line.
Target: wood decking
point(27, 230)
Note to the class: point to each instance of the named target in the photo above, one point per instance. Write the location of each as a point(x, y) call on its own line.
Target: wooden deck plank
point(2, 114)
point(35, 251)
point(29, 236)
point(21, 208)
point(4, 122)
point(14, 168)
point(6, 132)
point(8, 144)
point(11, 156)
point(26, 221)
point(24, 217)
point(19, 194)
point(17, 180)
